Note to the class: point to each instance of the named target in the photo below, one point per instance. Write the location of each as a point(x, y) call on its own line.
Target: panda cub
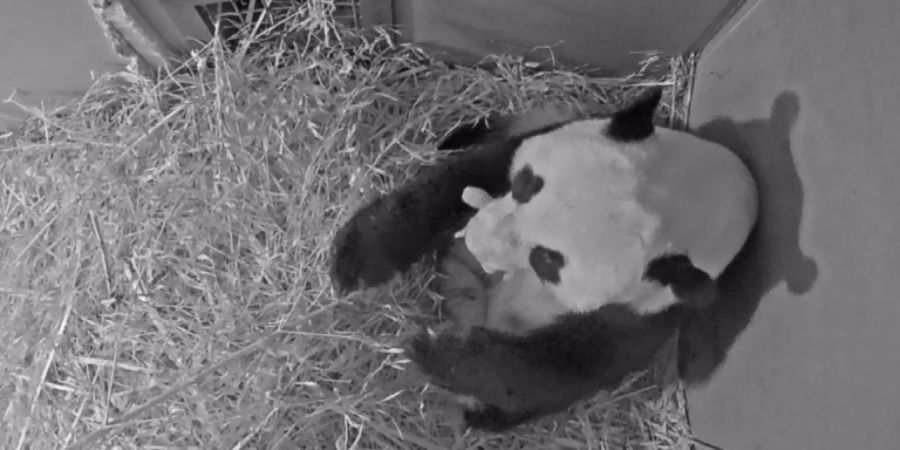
point(514, 301)
point(599, 232)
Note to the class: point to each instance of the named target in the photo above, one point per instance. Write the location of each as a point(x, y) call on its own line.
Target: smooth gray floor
point(48, 50)
point(809, 93)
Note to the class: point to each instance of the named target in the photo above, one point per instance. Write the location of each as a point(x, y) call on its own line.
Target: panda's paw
point(690, 284)
point(349, 259)
point(360, 253)
point(490, 418)
point(675, 270)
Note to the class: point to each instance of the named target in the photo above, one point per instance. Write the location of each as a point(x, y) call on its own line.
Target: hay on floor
point(163, 257)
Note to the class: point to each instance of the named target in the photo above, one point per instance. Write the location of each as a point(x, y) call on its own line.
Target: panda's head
point(593, 200)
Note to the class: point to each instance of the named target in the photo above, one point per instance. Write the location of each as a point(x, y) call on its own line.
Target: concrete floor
point(807, 92)
point(48, 50)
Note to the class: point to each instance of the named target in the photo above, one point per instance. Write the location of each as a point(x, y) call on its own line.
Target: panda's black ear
point(635, 122)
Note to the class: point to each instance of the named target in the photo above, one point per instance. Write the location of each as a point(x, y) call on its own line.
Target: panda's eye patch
point(546, 263)
point(525, 184)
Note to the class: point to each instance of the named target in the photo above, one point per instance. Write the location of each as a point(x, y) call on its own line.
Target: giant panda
point(605, 230)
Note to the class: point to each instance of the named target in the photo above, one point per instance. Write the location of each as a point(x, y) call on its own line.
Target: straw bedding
point(164, 244)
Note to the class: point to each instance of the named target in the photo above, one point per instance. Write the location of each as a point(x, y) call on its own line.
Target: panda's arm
point(394, 231)
point(517, 378)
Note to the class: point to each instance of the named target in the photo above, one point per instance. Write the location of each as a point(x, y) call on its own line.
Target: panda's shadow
point(772, 253)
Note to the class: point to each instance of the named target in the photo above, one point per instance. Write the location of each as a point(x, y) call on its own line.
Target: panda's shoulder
point(494, 128)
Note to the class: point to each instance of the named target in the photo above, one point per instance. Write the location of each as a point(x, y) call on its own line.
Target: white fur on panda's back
point(705, 194)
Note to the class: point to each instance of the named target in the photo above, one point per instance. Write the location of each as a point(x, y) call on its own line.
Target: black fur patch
point(672, 269)
point(635, 122)
point(690, 284)
point(546, 263)
point(492, 418)
point(525, 184)
point(469, 134)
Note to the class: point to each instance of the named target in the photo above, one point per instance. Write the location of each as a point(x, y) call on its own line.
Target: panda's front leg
point(517, 378)
point(392, 232)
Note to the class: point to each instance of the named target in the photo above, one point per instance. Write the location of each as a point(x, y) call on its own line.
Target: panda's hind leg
point(690, 285)
point(510, 383)
point(519, 377)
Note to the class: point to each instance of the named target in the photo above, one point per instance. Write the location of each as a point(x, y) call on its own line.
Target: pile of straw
point(164, 243)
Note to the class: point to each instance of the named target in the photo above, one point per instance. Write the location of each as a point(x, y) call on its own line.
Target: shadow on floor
point(772, 253)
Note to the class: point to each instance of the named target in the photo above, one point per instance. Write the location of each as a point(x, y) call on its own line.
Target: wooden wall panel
point(608, 35)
